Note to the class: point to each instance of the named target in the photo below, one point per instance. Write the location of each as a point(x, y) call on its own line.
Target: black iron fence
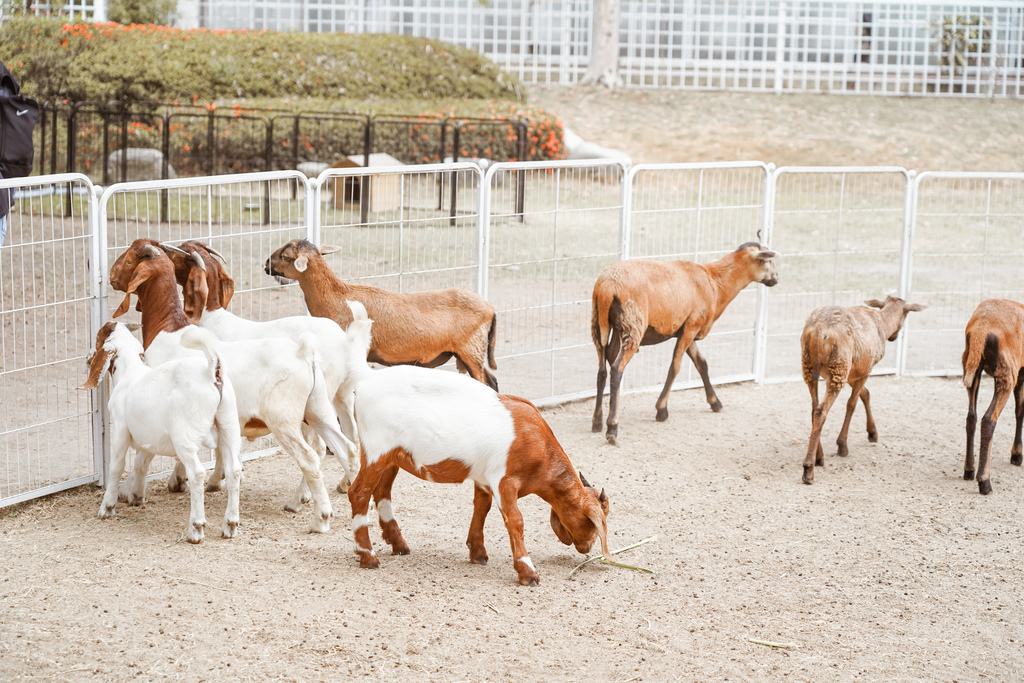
point(117, 142)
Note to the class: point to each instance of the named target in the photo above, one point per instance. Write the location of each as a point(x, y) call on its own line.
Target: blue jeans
point(3, 230)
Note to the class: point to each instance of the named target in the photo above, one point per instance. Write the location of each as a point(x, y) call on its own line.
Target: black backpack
point(18, 116)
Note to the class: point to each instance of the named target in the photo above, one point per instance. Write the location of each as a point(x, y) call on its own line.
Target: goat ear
point(556, 525)
point(597, 517)
point(142, 273)
point(328, 249)
point(97, 366)
point(227, 289)
point(875, 303)
point(915, 307)
point(196, 291)
point(766, 255)
point(301, 263)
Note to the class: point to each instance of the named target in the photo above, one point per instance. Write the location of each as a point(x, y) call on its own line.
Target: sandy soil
point(889, 568)
point(661, 126)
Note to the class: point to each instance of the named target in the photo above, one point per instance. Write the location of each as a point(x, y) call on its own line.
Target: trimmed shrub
point(103, 62)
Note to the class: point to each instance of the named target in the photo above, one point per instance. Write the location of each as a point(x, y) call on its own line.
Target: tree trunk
point(604, 53)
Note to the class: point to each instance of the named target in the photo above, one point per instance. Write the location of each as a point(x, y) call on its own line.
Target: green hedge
point(103, 62)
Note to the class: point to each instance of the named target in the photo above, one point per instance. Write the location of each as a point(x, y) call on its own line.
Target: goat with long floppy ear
point(195, 289)
point(142, 273)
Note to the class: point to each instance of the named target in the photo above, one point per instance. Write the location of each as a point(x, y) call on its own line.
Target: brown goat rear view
point(843, 345)
point(993, 343)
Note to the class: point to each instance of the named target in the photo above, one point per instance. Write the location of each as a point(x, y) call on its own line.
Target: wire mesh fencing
point(531, 237)
point(699, 213)
point(968, 244)
point(544, 253)
point(841, 234)
point(46, 299)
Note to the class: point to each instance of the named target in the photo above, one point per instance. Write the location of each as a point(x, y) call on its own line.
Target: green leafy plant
point(960, 40)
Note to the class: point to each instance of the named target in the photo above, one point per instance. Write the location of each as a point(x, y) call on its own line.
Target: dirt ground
point(889, 568)
point(662, 126)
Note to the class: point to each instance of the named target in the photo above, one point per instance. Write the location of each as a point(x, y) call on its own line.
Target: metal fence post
point(761, 314)
point(626, 221)
point(483, 231)
point(97, 316)
point(906, 263)
point(312, 210)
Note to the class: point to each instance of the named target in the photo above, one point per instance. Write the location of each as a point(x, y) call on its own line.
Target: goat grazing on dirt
point(208, 289)
point(843, 345)
point(173, 410)
point(414, 328)
point(639, 302)
point(278, 383)
point(994, 343)
point(446, 428)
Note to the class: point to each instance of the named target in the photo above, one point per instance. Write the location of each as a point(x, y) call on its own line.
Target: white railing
point(531, 237)
point(906, 47)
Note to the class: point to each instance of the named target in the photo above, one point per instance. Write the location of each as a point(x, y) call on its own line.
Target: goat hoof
point(1016, 459)
point(662, 415)
point(873, 437)
point(597, 426)
point(808, 475)
point(478, 558)
point(968, 475)
point(843, 451)
point(175, 486)
point(369, 562)
point(400, 550)
point(288, 507)
point(985, 487)
point(228, 529)
point(530, 580)
point(342, 486)
point(106, 512)
point(716, 406)
point(611, 439)
point(213, 486)
point(195, 533)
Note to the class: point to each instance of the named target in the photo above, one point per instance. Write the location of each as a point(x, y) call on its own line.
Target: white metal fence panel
point(46, 425)
point(840, 233)
point(968, 245)
point(542, 264)
point(698, 212)
point(244, 217)
point(403, 228)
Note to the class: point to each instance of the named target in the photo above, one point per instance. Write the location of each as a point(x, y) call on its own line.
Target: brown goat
point(994, 343)
point(415, 328)
point(843, 345)
point(639, 302)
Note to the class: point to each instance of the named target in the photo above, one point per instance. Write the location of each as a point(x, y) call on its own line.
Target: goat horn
point(198, 260)
point(584, 481)
point(171, 247)
point(216, 253)
point(150, 250)
point(602, 497)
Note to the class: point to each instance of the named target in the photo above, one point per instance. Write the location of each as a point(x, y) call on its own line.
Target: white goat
point(278, 383)
point(208, 288)
point(173, 410)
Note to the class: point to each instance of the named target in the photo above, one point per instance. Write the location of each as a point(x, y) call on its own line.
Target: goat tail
point(491, 334)
point(195, 337)
point(358, 338)
point(973, 352)
point(599, 326)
